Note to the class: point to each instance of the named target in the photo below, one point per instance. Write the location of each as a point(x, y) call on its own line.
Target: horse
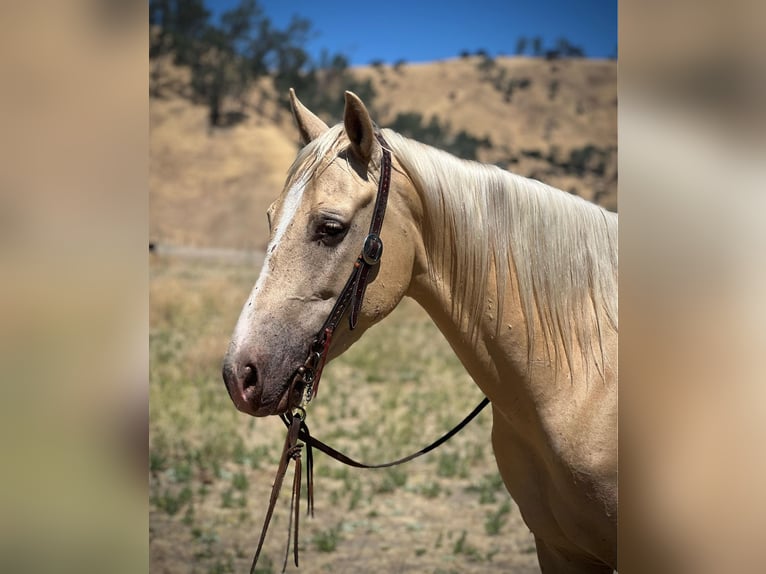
point(520, 277)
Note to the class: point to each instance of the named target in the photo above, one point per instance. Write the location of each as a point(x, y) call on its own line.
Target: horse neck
point(491, 335)
point(495, 353)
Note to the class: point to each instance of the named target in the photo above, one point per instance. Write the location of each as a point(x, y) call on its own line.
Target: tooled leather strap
point(372, 250)
point(352, 294)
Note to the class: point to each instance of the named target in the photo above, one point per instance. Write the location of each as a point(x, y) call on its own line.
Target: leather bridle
point(309, 374)
point(352, 293)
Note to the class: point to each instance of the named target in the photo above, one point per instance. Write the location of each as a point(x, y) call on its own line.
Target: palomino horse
point(521, 278)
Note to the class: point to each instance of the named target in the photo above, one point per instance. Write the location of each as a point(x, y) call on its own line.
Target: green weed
point(488, 488)
point(462, 546)
point(393, 479)
point(431, 490)
point(448, 464)
point(182, 471)
point(327, 540)
point(158, 460)
point(265, 565)
point(222, 566)
point(239, 481)
point(171, 503)
point(495, 520)
point(227, 499)
point(356, 497)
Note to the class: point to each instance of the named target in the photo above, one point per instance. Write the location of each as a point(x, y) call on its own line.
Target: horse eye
point(331, 231)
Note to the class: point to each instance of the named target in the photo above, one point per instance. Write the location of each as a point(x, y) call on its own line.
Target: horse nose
point(241, 379)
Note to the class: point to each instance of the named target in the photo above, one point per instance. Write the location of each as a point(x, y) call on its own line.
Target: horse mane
point(311, 156)
point(562, 248)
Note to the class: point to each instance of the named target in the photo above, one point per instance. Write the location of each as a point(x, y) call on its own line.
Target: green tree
point(225, 58)
point(223, 64)
point(215, 54)
point(565, 49)
point(521, 45)
point(436, 134)
point(180, 26)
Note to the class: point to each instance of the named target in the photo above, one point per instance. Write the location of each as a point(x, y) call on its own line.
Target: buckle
point(372, 249)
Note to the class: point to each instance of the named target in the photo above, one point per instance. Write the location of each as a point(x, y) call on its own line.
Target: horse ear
point(309, 125)
point(358, 124)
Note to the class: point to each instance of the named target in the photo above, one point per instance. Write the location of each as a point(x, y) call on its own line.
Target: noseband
point(309, 374)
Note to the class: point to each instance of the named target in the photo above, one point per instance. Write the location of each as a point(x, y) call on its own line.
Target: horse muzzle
point(248, 391)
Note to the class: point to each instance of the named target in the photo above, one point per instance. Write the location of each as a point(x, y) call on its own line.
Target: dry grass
point(473, 97)
point(400, 386)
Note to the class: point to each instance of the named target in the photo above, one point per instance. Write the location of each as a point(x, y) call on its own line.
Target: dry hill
point(552, 120)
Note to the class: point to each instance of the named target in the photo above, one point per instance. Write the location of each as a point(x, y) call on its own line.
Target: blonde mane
point(563, 249)
point(480, 219)
point(311, 156)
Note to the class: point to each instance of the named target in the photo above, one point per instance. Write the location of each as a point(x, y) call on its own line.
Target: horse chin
point(285, 402)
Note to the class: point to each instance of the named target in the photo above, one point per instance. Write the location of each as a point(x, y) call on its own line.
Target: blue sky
point(419, 31)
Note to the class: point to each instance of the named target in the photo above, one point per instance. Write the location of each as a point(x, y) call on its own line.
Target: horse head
point(317, 228)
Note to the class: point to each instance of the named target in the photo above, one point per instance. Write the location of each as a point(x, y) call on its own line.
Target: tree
point(222, 64)
point(566, 49)
point(188, 29)
point(225, 58)
point(521, 45)
point(320, 85)
point(537, 46)
point(436, 134)
point(486, 63)
point(159, 19)
point(215, 54)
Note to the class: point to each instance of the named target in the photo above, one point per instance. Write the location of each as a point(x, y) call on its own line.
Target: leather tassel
point(288, 453)
point(309, 476)
point(297, 499)
point(294, 512)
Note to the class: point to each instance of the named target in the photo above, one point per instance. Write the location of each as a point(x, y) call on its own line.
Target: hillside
point(555, 121)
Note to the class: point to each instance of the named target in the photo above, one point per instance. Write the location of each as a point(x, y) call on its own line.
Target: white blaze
point(289, 209)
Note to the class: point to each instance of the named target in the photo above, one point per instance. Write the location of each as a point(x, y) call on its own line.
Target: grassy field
point(394, 391)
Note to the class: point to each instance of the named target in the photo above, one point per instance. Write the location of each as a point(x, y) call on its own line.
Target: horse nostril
point(249, 376)
point(241, 377)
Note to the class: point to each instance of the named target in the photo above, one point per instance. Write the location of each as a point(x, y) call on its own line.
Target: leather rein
point(309, 374)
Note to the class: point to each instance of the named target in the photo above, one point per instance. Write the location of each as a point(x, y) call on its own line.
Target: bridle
point(309, 374)
point(353, 291)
